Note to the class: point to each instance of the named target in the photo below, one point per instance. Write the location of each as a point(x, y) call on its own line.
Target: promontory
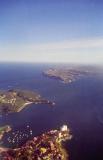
point(16, 100)
point(66, 75)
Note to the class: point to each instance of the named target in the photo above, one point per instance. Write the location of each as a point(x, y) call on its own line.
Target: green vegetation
point(15, 100)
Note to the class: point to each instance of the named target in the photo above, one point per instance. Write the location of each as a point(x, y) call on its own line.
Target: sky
point(68, 31)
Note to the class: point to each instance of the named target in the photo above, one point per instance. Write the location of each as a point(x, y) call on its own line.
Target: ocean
point(78, 105)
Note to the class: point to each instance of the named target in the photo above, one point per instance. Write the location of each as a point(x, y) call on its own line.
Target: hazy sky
point(51, 31)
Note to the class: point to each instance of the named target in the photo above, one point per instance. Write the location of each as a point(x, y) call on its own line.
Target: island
point(3, 130)
point(66, 75)
point(48, 146)
point(15, 100)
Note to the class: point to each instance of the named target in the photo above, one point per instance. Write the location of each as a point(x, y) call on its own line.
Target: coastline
point(28, 103)
point(4, 129)
point(17, 100)
point(53, 147)
point(64, 152)
point(24, 105)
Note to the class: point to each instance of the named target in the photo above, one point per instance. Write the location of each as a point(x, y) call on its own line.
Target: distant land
point(66, 75)
point(48, 146)
point(16, 100)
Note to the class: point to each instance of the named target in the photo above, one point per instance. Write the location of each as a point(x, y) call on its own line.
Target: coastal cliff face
point(48, 146)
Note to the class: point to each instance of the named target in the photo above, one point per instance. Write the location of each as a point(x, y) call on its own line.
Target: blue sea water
point(78, 104)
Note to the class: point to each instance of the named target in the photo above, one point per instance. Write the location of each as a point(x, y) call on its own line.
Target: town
point(48, 146)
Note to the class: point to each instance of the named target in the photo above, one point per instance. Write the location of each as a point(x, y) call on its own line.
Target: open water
point(78, 105)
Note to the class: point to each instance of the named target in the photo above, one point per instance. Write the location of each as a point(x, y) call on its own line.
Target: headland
point(16, 100)
point(66, 75)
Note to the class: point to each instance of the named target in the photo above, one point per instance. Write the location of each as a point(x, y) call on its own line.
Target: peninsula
point(48, 146)
point(16, 100)
point(65, 75)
